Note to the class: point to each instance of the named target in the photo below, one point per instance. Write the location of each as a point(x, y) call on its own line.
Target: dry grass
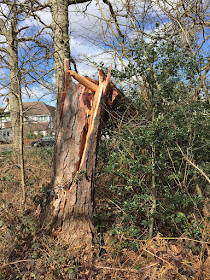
point(28, 253)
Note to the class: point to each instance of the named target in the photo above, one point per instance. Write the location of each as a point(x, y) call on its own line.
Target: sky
point(86, 28)
point(84, 42)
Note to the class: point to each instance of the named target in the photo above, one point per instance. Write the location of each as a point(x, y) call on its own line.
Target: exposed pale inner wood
point(82, 80)
point(95, 108)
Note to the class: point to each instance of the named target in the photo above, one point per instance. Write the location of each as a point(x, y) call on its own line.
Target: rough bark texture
point(70, 205)
point(11, 37)
point(60, 28)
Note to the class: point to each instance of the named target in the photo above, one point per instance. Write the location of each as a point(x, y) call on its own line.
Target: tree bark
point(60, 28)
point(70, 203)
point(14, 75)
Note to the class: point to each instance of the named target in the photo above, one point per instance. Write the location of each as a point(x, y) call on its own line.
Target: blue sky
point(86, 43)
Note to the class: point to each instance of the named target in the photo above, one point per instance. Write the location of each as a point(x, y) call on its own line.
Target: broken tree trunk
point(79, 114)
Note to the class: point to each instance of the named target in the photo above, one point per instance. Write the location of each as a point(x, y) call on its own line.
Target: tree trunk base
point(77, 233)
point(68, 218)
point(70, 198)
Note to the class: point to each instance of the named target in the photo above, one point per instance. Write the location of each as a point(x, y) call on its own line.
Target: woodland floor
point(28, 253)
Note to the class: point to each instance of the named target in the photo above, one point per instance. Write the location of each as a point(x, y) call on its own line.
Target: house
point(6, 135)
point(38, 118)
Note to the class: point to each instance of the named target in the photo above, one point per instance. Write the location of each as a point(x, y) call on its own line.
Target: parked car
point(44, 141)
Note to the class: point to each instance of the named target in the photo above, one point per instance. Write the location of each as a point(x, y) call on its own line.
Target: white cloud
point(86, 35)
point(38, 93)
point(45, 16)
point(86, 38)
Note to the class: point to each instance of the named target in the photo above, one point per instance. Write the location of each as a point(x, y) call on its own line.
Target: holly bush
point(157, 145)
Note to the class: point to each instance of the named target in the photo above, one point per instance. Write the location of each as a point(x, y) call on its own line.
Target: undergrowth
point(27, 252)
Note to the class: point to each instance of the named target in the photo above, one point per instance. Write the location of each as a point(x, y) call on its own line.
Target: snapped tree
point(80, 111)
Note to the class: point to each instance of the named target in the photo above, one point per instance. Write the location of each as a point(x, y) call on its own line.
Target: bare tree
point(11, 33)
point(22, 53)
point(16, 115)
point(14, 41)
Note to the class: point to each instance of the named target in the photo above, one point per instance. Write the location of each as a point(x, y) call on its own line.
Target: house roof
point(38, 126)
point(37, 108)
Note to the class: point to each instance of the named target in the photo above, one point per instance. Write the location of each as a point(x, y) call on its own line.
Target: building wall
point(44, 133)
point(6, 134)
point(40, 124)
point(40, 118)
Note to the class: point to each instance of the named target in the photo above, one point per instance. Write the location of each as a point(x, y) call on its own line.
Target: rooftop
point(37, 108)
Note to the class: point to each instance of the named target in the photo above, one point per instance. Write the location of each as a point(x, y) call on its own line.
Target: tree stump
point(69, 207)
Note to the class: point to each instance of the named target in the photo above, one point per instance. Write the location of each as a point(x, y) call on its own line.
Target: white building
point(38, 117)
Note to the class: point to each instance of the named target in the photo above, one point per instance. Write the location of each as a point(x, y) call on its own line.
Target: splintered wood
point(80, 110)
point(90, 100)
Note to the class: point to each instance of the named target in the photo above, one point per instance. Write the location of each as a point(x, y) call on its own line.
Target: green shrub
point(158, 186)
